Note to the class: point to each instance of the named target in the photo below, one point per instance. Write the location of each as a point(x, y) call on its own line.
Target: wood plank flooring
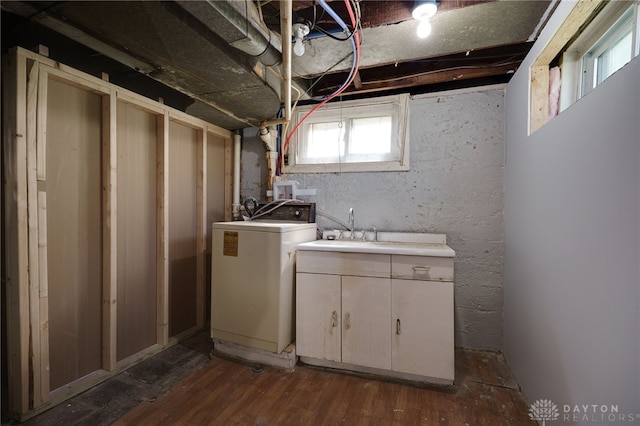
point(227, 392)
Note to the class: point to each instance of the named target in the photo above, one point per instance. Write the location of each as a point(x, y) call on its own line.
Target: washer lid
point(263, 226)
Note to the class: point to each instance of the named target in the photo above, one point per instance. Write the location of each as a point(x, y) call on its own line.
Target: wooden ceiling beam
point(461, 66)
point(436, 77)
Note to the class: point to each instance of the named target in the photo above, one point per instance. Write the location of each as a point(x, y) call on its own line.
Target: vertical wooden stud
point(32, 223)
point(162, 275)
point(41, 117)
point(44, 296)
point(16, 272)
point(201, 227)
point(539, 109)
point(43, 50)
point(109, 231)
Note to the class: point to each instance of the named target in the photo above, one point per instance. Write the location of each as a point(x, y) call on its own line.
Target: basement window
point(608, 43)
point(352, 136)
point(597, 38)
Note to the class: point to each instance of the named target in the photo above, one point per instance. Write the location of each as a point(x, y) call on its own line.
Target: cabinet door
point(318, 321)
point(366, 308)
point(422, 313)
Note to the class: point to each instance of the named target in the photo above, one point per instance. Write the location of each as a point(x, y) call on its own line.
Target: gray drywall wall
point(454, 187)
point(572, 246)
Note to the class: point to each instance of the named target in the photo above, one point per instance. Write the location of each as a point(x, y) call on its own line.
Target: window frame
point(579, 59)
point(396, 106)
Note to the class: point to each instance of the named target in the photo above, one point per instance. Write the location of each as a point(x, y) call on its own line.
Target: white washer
point(252, 281)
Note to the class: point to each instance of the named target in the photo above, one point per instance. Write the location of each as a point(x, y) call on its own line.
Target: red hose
point(356, 35)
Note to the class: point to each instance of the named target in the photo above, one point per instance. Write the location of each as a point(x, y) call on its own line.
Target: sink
point(412, 244)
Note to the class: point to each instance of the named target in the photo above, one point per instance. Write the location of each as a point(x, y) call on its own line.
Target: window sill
point(386, 166)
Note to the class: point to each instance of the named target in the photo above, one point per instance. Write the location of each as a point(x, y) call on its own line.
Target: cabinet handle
point(347, 321)
point(334, 319)
point(398, 326)
point(421, 268)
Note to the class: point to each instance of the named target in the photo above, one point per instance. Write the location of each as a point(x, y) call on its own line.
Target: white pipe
point(236, 175)
point(267, 137)
point(286, 18)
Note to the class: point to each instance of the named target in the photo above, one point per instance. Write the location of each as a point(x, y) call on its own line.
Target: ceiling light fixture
point(422, 11)
point(299, 32)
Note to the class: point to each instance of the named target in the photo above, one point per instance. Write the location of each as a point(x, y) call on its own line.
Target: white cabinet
point(352, 313)
point(366, 339)
point(344, 319)
point(319, 316)
point(422, 312)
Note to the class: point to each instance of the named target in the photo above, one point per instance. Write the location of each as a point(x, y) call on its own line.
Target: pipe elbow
point(267, 137)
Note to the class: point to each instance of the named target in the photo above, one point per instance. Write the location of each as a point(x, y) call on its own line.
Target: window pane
point(325, 140)
point(371, 135)
point(614, 58)
point(353, 136)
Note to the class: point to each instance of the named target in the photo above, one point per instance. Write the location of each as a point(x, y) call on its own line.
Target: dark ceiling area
point(194, 55)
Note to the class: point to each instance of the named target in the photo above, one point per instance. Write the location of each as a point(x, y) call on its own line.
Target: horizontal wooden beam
point(495, 61)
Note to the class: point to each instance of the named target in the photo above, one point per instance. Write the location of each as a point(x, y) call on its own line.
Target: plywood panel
point(215, 178)
point(136, 230)
point(182, 228)
point(74, 240)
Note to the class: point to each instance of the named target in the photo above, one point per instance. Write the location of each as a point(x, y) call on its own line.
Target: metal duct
point(240, 25)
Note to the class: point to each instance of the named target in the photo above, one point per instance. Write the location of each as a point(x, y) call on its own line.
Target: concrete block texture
point(454, 186)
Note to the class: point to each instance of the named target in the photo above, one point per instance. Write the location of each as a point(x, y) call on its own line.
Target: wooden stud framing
point(201, 227)
point(25, 97)
point(109, 231)
point(539, 107)
point(41, 118)
point(16, 274)
point(162, 274)
point(140, 102)
point(38, 394)
point(78, 79)
point(539, 113)
point(44, 296)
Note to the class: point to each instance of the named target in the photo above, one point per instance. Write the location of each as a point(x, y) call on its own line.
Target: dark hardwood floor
point(227, 392)
point(183, 386)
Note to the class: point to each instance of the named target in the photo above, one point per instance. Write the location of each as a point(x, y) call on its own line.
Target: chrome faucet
point(351, 223)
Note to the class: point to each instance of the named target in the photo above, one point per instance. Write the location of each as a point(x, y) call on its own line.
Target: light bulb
point(424, 10)
point(424, 28)
point(299, 32)
point(298, 47)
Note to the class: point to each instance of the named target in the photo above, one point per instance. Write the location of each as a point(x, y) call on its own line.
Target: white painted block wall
point(455, 187)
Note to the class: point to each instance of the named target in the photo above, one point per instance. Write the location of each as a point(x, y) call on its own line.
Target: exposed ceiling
point(203, 57)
